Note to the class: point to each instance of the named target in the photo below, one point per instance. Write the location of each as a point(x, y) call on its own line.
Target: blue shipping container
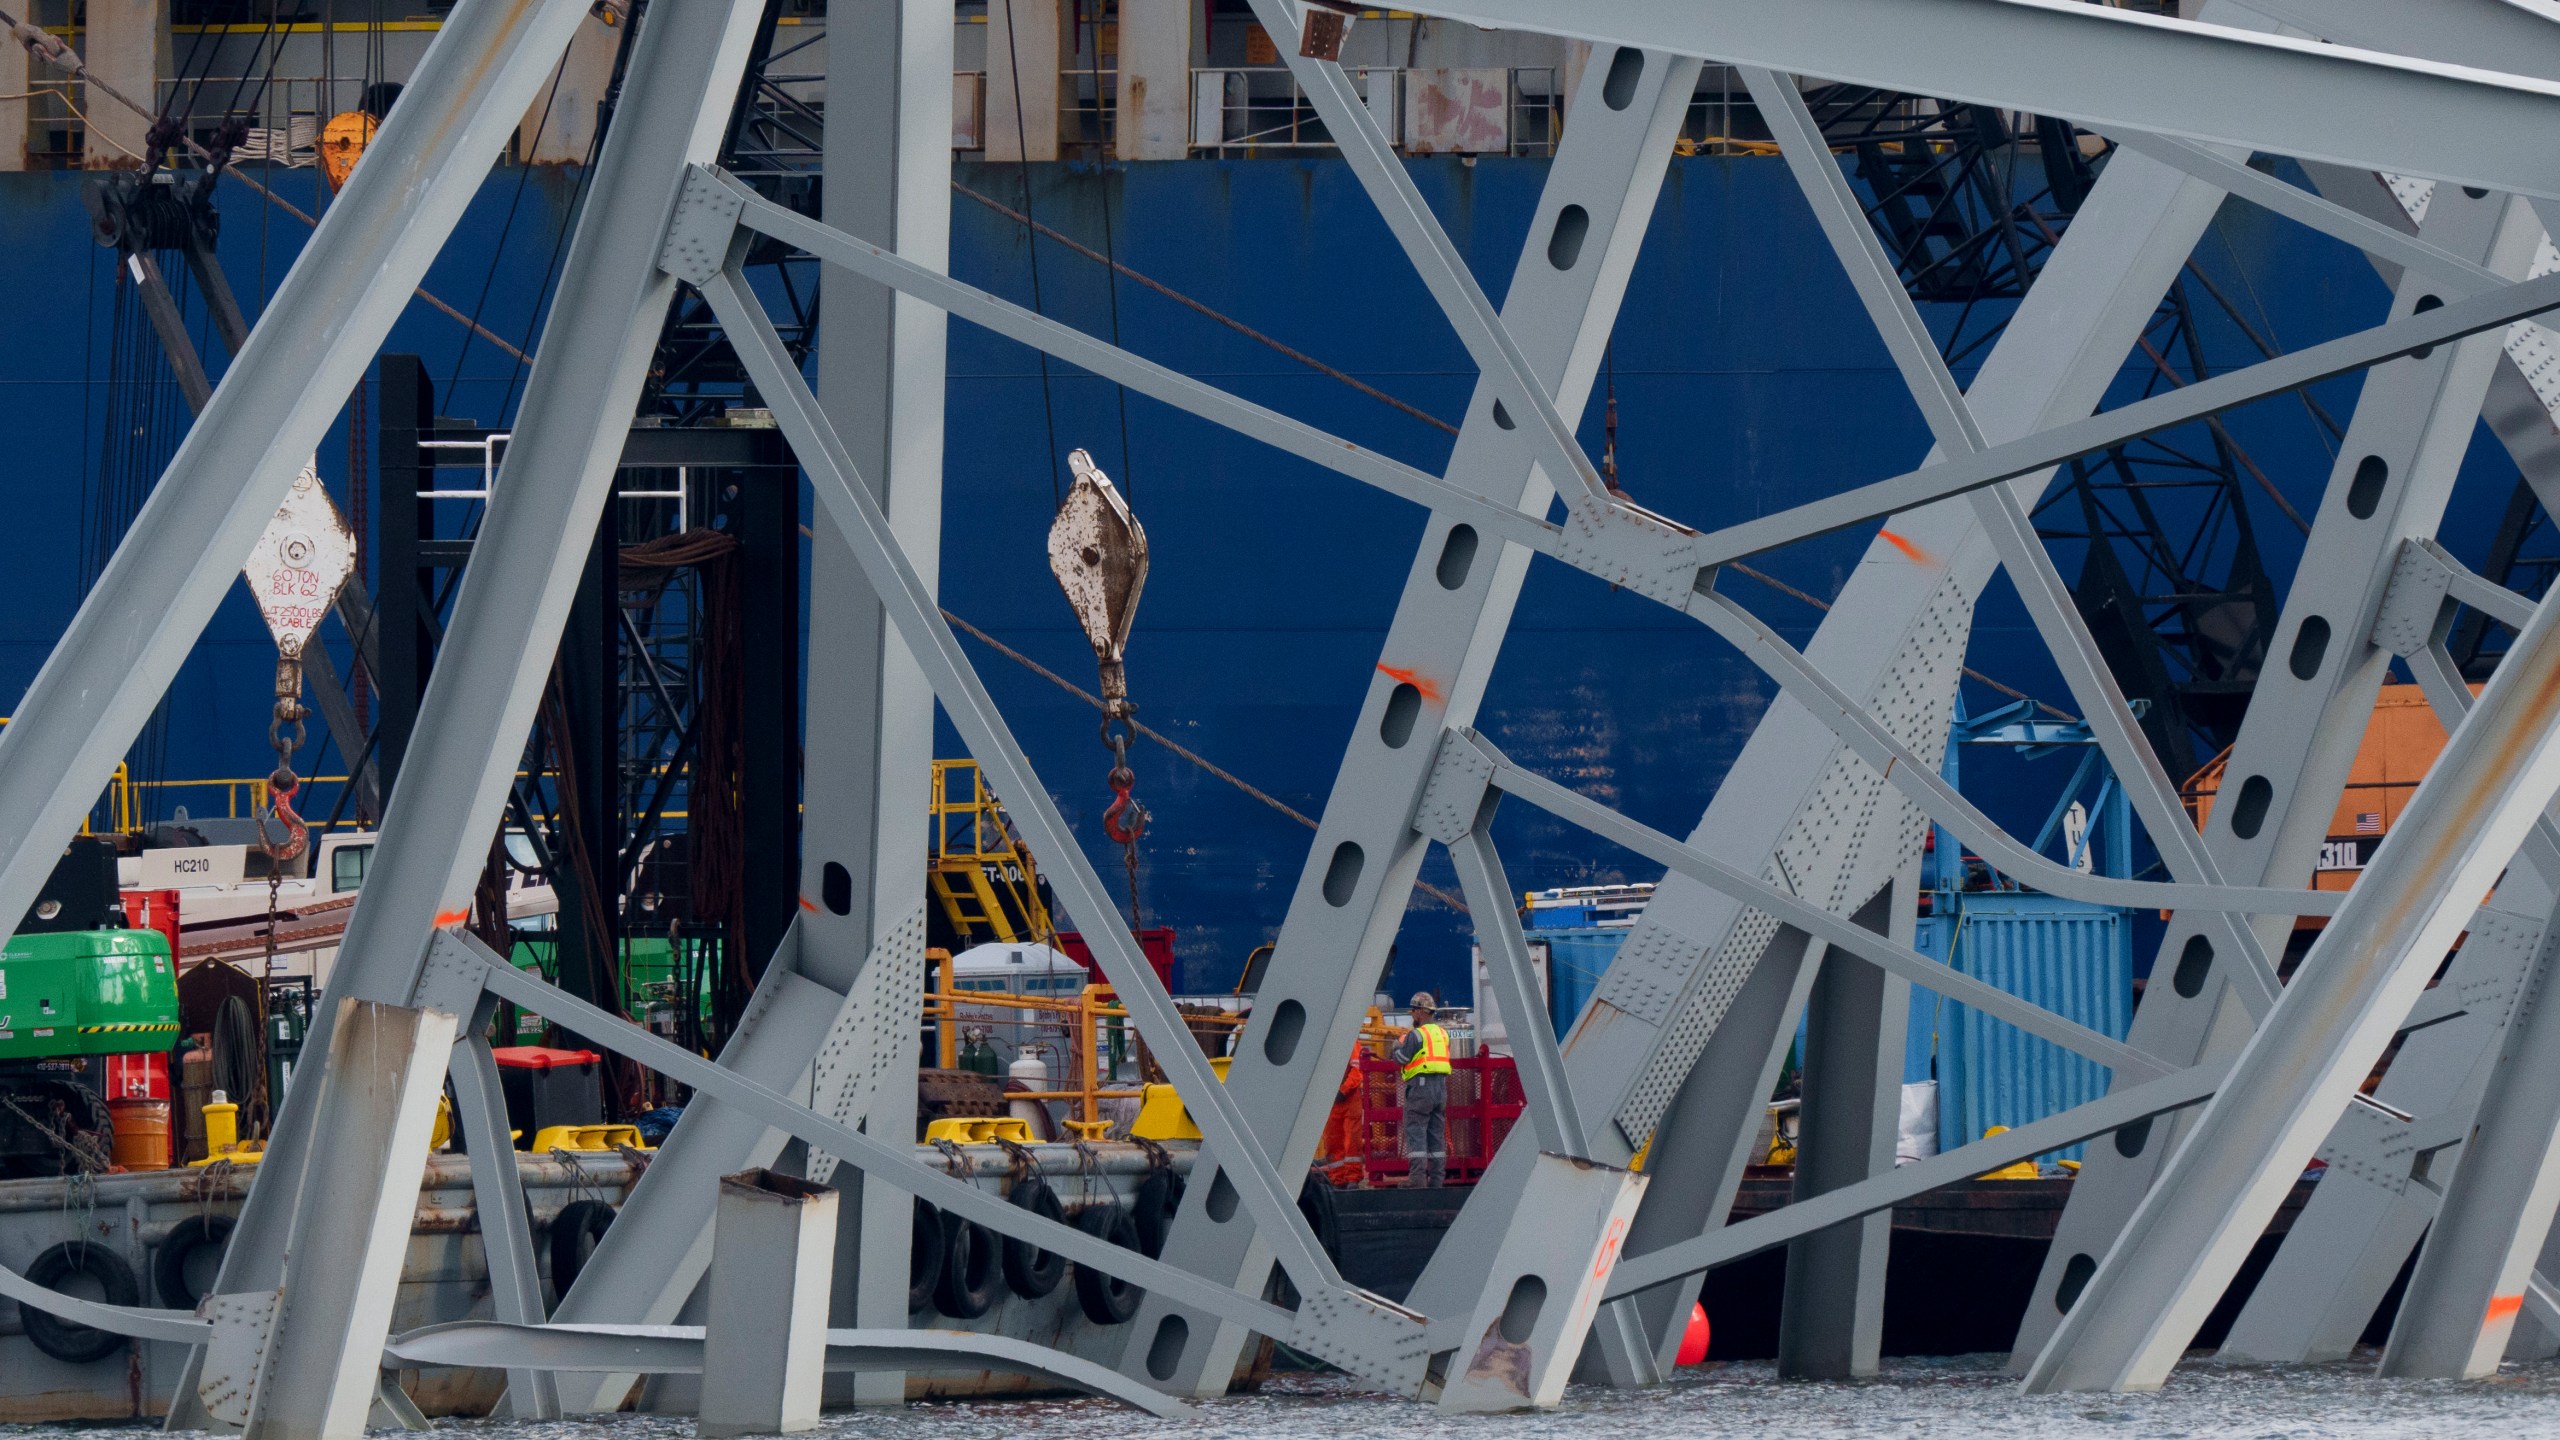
point(1576, 959)
point(2071, 958)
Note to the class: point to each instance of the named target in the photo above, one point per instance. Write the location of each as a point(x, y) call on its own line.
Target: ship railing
point(1087, 1016)
point(490, 447)
point(1483, 111)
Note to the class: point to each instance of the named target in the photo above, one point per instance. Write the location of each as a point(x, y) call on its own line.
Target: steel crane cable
point(497, 251)
point(1102, 164)
point(1031, 248)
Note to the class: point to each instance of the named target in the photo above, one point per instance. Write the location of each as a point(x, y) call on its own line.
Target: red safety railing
point(1484, 1102)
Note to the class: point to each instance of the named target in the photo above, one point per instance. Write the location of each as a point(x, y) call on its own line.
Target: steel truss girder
point(1890, 602)
point(2153, 794)
point(1432, 666)
point(1648, 555)
point(2413, 422)
point(2493, 781)
point(1337, 1321)
point(2523, 39)
point(2496, 1208)
point(2109, 67)
point(503, 633)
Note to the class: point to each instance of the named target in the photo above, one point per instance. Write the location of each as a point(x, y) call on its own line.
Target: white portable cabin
point(1031, 972)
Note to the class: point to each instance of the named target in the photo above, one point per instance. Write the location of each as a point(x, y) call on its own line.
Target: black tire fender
point(1158, 1200)
point(65, 1340)
point(972, 1270)
point(1315, 1201)
point(1031, 1271)
point(1107, 1299)
point(574, 1237)
point(187, 1239)
point(924, 1258)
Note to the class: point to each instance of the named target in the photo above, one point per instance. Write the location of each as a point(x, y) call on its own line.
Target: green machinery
point(67, 1000)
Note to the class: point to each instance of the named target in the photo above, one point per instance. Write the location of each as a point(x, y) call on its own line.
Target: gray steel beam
point(497, 1195)
point(2457, 275)
point(2405, 335)
point(764, 1338)
point(2132, 1106)
point(376, 1101)
point(680, 1349)
point(1431, 670)
point(2137, 1313)
point(2413, 423)
point(1543, 1087)
point(2509, 36)
point(1831, 1314)
point(2109, 67)
point(888, 145)
point(514, 598)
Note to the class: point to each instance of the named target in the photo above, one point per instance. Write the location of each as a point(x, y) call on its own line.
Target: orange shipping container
point(2400, 746)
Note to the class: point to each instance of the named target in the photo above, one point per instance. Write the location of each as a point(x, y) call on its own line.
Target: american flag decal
point(2368, 822)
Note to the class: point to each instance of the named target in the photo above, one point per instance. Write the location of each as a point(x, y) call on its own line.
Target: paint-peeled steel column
point(2218, 1192)
point(352, 1235)
point(764, 1343)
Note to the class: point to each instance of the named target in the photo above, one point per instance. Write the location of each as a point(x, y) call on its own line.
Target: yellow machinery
point(983, 879)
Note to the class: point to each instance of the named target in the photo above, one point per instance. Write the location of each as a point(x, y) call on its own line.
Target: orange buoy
point(1693, 1341)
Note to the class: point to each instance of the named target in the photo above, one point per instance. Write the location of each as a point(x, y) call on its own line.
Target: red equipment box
point(138, 1077)
point(154, 910)
point(1156, 943)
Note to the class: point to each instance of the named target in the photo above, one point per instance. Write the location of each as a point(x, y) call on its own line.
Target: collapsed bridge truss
point(1791, 897)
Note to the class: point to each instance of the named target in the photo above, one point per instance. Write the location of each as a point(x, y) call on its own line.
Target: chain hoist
point(1098, 551)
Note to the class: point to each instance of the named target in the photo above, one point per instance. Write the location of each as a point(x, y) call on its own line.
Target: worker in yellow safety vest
point(1424, 1052)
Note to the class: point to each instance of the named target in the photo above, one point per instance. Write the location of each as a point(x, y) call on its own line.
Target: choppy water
point(1913, 1400)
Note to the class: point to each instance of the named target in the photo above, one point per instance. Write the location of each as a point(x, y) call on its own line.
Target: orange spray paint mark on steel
point(1429, 687)
point(1910, 552)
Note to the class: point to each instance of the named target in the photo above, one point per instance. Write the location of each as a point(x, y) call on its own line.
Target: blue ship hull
point(1746, 380)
